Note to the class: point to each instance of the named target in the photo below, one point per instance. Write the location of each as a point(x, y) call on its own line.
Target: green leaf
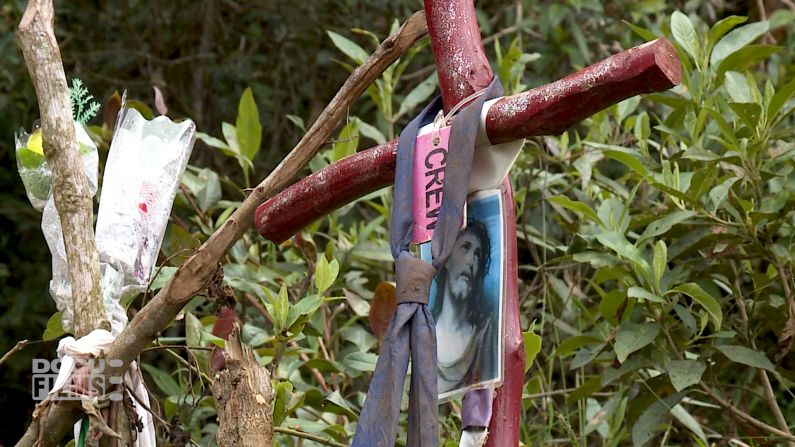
point(164, 275)
point(163, 380)
point(142, 108)
point(662, 226)
point(325, 274)
point(347, 141)
point(719, 193)
point(648, 424)
point(640, 292)
point(610, 305)
point(706, 300)
point(418, 95)
point(359, 336)
point(737, 86)
point(685, 34)
point(723, 26)
point(351, 49)
point(249, 129)
point(619, 244)
point(361, 361)
point(371, 132)
point(645, 34)
point(282, 391)
point(359, 306)
point(632, 161)
point(193, 329)
point(230, 135)
point(685, 373)
point(578, 207)
point(737, 39)
point(304, 425)
point(683, 416)
point(591, 386)
point(745, 58)
point(54, 327)
point(29, 159)
point(571, 344)
point(298, 121)
point(216, 143)
point(532, 346)
point(306, 306)
point(278, 307)
point(748, 113)
point(336, 399)
point(779, 99)
point(210, 192)
point(585, 355)
point(660, 261)
point(747, 356)
point(632, 337)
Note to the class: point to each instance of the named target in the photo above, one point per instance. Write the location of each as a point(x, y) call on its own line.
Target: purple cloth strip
point(476, 408)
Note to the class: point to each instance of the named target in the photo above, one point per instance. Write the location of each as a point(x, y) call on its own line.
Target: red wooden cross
point(547, 110)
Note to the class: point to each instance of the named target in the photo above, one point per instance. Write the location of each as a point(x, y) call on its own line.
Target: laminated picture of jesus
point(466, 301)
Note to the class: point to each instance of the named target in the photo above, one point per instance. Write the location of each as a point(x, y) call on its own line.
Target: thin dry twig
point(17, 347)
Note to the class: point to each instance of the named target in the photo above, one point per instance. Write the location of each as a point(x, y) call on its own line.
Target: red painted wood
point(464, 69)
point(318, 194)
point(507, 410)
point(460, 58)
point(553, 108)
point(550, 109)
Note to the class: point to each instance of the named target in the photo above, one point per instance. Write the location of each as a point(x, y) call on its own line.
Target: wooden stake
point(73, 198)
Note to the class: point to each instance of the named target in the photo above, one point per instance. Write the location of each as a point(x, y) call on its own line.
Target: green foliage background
point(655, 238)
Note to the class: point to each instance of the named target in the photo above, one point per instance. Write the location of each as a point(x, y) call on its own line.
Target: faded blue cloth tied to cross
point(411, 331)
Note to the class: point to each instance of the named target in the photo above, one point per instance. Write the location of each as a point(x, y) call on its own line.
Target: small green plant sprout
point(82, 102)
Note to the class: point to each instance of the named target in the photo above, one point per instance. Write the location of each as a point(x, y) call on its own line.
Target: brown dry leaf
point(383, 306)
point(160, 102)
point(111, 110)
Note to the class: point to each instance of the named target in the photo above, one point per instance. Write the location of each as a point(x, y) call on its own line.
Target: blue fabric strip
point(411, 331)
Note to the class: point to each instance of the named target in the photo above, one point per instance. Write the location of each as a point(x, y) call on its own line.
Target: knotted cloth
point(411, 330)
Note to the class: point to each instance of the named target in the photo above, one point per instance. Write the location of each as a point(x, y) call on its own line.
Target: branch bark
point(53, 419)
point(73, 198)
point(243, 393)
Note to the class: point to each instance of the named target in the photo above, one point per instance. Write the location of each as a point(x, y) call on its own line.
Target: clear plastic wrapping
point(142, 174)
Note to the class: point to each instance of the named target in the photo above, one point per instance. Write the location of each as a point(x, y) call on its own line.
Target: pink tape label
point(429, 162)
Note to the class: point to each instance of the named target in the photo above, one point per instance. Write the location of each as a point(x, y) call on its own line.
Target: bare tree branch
point(73, 198)
point(53, 419)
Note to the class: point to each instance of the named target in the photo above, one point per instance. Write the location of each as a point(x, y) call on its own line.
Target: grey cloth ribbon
point(411, 331)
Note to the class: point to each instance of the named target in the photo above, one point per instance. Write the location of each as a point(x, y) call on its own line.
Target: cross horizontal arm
point(546, 110)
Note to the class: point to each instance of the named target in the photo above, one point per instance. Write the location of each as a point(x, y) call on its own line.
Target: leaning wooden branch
point(70, 187)
point(53, 419)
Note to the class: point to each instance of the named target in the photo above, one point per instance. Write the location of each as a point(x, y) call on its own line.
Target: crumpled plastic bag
point(142, 175)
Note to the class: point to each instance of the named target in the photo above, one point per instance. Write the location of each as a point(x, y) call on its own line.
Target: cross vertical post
point(463, 70)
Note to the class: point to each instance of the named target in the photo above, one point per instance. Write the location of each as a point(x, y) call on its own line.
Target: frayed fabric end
point(474, 438)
